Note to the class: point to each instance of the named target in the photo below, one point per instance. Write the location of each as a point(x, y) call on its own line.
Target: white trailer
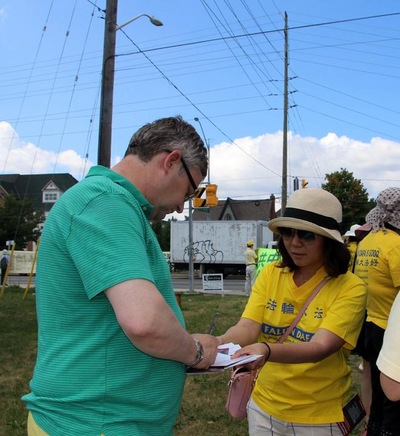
point(218, 246)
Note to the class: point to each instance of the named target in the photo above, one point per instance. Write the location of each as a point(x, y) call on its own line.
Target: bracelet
point(269, 350)
point(199, 353)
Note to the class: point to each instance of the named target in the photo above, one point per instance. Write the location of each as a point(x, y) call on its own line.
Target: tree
point(162, 229)
point(20, 222)
point(352, 194)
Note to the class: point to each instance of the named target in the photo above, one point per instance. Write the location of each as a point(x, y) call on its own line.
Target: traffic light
point(304, 183)
point(198, 201)
point(211, 195)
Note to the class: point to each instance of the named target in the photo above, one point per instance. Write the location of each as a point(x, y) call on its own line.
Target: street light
point(152, 20)
point(107, 79)
point(208, 149)
point(191, 266)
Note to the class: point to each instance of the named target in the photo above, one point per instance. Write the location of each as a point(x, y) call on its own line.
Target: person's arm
point(389, 356)
point(152, 326)
point(245, 332)
point(322, 344)
point(390, 387)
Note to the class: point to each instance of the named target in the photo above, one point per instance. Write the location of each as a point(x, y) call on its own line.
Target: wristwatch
point(199, 354)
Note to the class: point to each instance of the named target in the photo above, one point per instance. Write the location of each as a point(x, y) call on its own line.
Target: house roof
point(238, 210)
point(31, 186)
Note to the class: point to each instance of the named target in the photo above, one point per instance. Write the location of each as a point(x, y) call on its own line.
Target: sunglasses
point(304, 235)
point(196, 190)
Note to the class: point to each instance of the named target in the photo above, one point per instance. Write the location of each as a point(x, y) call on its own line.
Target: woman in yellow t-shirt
point(378, 264)
point(303, 383)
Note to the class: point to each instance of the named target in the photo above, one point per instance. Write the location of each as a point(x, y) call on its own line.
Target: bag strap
point(303, 309)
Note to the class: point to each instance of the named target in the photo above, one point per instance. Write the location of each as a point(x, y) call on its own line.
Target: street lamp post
point(208, 150)
point(107, 79)
point(191, 266)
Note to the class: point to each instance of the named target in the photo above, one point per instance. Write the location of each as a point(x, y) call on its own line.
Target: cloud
point(253, 166)
point(250, 167)
point(20, 157)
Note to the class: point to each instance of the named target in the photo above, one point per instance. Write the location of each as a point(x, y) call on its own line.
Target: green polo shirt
point(89, 378)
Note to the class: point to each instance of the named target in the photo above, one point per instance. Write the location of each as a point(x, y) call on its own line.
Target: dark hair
point(336, 257)
point(167, 134)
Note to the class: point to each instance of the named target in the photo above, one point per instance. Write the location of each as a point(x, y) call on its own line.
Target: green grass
point(203, 407)
point(17, 357)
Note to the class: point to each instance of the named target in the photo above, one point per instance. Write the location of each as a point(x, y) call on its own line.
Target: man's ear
point(172, 159)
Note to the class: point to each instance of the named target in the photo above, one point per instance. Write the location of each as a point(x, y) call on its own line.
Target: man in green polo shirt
point(112, 344)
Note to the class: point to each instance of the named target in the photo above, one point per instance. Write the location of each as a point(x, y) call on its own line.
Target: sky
point(220, 61)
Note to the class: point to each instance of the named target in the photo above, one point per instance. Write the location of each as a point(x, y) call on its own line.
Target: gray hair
point(167, 134)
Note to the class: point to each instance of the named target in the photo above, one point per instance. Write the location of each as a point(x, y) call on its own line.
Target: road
point(231, 284)
point(21, 281)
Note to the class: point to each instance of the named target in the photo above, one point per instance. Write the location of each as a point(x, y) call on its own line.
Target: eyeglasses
point(303, 235)
point(194, 186)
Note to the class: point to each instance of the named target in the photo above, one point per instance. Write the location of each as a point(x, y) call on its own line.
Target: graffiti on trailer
point(203, 252)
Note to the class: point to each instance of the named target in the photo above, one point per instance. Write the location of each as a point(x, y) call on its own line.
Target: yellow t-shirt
point(352, 247)
point(378, 265)
point(250, 256)
point(308, 393)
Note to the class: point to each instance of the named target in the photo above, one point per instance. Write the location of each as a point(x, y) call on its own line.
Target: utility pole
point(107, 85)
point(285, 121)
point(107, 79)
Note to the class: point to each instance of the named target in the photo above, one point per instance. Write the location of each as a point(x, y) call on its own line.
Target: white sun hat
point(315, 210)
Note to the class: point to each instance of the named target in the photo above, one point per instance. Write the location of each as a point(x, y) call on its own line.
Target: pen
point(212, 324)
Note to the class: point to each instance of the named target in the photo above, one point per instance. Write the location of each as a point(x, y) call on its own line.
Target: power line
point(263, 32)
point(197, 108)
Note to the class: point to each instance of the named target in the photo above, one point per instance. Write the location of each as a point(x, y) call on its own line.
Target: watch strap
point(199, 353)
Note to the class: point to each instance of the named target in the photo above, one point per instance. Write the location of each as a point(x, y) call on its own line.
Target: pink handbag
point(240, 387)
